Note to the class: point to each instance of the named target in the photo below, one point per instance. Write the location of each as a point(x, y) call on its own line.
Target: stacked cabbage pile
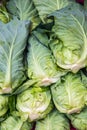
point(43, 64)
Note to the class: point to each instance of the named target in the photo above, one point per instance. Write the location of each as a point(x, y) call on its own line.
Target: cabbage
point(4, 16)
point(41, 35)
point(45, 7)
point(41, 64)
point(79, 121)
point(14, 122)
point(34, 103)
point(24, 10)
point(69, 39)
point(3, 105)
point(53, 121)
point(69, 94)
point(13, 37)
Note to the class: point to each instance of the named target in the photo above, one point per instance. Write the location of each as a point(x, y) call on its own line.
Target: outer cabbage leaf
point(45, 7)
point(53, 121)
point(41, 35)
point(41, 65)
point(14, 122)
point(3, 105)
point(13, 36)
point(24, 10)
point(24, 86)
point(34, 103)
point(79, 121)
point(69, 94)
point(69, 38)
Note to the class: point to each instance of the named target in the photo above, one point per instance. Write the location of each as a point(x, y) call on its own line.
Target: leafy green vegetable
point(26, 126)
point(24, 10)
point(45, 7)
point(13, 36)
point(13, 122)
point(4, 16)
point(69, 38)
point(41, 43)
point(69, 94)
point(34, 103)
point(53, 121)
point(41, 36)
point(3, 105)
point(41, 66)
point(24, 86)
point(79, 121)
point(84, 77)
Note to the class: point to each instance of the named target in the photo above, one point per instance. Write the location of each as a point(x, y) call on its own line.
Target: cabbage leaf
point(24, 10)
point(14, 122)
point(45, 7)
point(79, 121)
point(3, 105)
point(13, 36)
point(53, 121)
point(69, 94)
point(4, 15)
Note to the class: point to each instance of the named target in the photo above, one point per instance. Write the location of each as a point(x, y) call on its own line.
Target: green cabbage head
point(79, 121)
point(14, 122)
point(69, 38)
point(41, 64)
point(34, 103)
point(69, 94)
point(53, 121)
